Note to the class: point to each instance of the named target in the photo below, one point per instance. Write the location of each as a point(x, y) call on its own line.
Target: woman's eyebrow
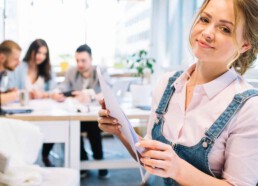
point(223, 21)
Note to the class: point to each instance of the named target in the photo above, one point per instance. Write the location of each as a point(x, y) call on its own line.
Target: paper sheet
point(113, 106)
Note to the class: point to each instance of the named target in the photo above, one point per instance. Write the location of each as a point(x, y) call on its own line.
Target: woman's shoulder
point(162, 83)
point(241, 86)
point(21, 69)
point(248, 113)
point(22, 65)
point(166, 76)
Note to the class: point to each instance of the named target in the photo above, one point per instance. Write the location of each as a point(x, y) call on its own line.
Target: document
point(113, 106)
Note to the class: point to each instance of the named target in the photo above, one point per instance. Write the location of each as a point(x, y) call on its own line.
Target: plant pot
point(141, 95)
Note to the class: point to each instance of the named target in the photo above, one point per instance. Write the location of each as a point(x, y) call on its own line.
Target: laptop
point(120, 88)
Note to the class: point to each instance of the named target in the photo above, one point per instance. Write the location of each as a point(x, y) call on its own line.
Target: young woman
point(203, 129)
point(34, 74)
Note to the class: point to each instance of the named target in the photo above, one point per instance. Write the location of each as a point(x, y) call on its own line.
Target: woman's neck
point(206, 72)
point(32, 65)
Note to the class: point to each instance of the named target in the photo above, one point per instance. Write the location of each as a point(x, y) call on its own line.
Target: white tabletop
point(71, 109)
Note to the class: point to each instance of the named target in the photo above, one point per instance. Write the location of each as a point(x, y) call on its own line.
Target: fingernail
point(114, 121)
point(119, 127)
point(107, 113)
point(138, 144)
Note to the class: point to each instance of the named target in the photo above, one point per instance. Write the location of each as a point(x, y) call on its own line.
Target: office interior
point(115, 30)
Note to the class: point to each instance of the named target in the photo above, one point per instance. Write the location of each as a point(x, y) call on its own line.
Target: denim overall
point(196, 155)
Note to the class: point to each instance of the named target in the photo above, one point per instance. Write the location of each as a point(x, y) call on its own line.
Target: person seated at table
point(10, 53)
point(34, 75)
point(78, 79)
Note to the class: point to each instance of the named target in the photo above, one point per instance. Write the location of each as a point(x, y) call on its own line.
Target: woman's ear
point(246, 46)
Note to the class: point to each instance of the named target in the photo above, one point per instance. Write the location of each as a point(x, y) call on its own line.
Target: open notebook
point(112, 105)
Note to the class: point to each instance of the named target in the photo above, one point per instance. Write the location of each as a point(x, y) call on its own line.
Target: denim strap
point(238, 101)
point(163, 104)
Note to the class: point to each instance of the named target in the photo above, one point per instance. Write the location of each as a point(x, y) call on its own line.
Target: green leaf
point(138, 60)
point(149, 65)
point(142, 53)
point(140, 70)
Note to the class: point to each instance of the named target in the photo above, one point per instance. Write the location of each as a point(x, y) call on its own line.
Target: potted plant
point(144, 66)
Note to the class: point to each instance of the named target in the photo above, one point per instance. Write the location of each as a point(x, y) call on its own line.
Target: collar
point(80, 74)
point(217, 85)
point(180, 82)
point(212, 88)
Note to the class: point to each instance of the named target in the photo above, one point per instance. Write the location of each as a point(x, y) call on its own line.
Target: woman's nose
point(208, 33)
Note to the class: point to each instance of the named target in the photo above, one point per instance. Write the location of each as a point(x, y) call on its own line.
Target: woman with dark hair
point(34, 73)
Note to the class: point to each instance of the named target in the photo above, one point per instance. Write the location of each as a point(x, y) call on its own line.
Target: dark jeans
point(94, 135)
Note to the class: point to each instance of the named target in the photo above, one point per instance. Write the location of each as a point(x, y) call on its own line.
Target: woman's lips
point(203, 44)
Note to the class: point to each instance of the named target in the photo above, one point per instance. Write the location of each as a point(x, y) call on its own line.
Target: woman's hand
point(35, 94)
point(159, 158)
point(106, 122)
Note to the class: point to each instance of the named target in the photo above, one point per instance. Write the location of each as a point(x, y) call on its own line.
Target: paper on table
point(112, 105)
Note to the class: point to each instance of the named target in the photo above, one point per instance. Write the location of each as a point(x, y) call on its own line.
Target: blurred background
point(113, 28)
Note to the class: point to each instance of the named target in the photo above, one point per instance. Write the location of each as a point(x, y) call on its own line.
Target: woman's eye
point(225, 30)
point(204, 20)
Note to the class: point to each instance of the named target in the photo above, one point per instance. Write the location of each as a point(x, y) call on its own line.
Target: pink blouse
point(234, 155)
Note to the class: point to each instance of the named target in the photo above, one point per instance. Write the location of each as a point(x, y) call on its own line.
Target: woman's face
point(212, 38)
point(41, 55)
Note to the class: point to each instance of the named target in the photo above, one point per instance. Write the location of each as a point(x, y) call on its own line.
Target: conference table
point(60, 123)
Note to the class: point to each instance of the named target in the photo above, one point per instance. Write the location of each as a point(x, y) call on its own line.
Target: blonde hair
point(249, 10)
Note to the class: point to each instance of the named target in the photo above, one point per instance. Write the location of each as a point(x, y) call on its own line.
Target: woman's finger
point(153, 144)
point(154, 163)
point(113, 129)
point(107, 120)
point(104, 113)
point(154, 154)
point(102, 103)
point(154, 170)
